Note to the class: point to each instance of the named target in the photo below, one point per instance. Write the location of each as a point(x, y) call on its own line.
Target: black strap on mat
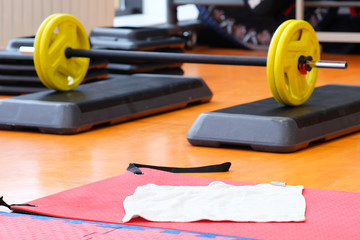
point(3, 203)
point(223, 167)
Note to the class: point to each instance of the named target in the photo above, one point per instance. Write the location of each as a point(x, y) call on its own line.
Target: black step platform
point(117, 99)
point(133, 38)
point(265, 125)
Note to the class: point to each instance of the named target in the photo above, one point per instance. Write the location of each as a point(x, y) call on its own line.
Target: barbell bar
point(62, 51)
point(183, 57)
point(189, 58)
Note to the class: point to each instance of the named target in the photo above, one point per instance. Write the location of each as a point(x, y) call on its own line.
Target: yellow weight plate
point(37, 62)
point(298, 39)
point(60, 32)
point(270, 64)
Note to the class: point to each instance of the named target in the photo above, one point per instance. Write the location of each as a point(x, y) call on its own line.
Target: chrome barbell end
point(329, 64)
point(26, 50)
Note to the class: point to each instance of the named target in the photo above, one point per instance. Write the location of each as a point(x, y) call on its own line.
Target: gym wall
point(21, 18)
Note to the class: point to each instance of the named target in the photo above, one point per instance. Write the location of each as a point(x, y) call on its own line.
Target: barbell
point(62, 51)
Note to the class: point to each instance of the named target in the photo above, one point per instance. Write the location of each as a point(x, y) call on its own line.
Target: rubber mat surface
point(329, 214)
point(20, 226)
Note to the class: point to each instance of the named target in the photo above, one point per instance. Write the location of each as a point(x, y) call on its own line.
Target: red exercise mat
point(21, 226)
point(329, 214)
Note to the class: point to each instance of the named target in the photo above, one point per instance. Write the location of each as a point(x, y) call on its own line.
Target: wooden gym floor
point(34, 164)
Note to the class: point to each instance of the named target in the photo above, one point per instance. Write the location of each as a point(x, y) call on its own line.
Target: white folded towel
point(216, 202)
